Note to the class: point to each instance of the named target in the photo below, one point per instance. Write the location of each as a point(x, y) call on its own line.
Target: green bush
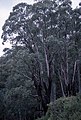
point(64, 109)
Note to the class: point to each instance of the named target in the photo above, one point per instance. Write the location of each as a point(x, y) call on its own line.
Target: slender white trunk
point(60, 78)
point(46, 59)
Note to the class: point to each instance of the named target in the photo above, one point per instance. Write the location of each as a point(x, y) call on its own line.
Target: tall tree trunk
point(75, 64)
point(47, 63)
point(60, 78)
point(73, 79)
point(79, 81)
point(53, 84)
point(53, 92)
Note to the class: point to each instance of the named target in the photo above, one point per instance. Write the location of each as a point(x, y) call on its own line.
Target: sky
point(6, 7)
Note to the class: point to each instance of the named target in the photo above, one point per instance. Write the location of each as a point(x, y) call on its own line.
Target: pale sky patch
point(4, 13)
point(19, 1)
point(75, 3)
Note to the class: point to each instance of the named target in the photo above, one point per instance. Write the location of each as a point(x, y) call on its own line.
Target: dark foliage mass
point(64, 109)
point(44, 62)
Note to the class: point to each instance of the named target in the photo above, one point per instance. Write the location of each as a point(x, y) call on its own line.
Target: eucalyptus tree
point(46, 30)
point(76, 37)
point(68, 32)
point(64, 25)
point(30, 26)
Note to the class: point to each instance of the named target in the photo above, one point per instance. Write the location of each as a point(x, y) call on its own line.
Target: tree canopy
point(45, 54)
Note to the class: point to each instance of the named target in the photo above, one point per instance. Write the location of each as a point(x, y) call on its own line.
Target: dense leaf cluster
point(18, 96)
point(64, 109)
point(45, 60)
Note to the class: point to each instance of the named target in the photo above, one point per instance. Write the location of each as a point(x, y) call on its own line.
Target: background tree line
point(45, 60)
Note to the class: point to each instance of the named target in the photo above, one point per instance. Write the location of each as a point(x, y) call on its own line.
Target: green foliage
point(47, 63)
point(17, 91)
point(64, 109)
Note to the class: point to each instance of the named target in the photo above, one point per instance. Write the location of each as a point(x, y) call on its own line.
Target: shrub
point(68, 108)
